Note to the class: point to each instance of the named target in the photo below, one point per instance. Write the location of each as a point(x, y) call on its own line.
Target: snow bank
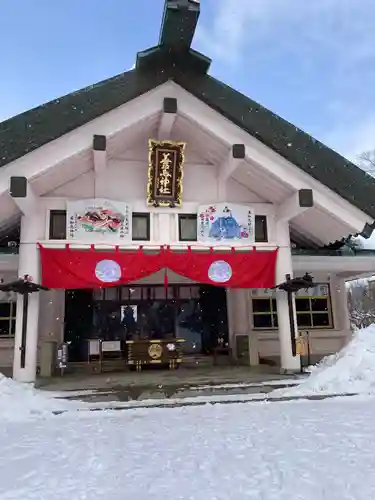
point(352, 370)
point(22, 401)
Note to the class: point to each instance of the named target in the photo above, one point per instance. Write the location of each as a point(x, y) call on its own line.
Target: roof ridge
point(34, 128)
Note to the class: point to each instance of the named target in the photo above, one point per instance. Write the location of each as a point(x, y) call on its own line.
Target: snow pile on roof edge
point(23, 401)
point(352, 370)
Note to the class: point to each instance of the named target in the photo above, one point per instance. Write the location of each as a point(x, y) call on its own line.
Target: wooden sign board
point(165, 173)
point(301, 346)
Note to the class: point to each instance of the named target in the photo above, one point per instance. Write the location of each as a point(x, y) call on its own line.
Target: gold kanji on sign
point(165, 173)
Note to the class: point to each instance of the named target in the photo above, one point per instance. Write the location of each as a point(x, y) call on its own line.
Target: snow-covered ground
point(22, 402)
point(270, 451)
point(299, 450)
point(352, 370)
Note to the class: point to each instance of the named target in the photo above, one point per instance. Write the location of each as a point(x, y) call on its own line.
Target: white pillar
point(32, 230)
point(242, 323)
point(164, 229)
point(289, 363)
point(340, 306)
point(51, 322)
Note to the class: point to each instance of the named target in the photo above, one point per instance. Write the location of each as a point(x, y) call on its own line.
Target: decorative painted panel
point(99, 220)
point(225, 223)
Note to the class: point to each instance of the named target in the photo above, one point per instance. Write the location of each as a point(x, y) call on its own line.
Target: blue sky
point(312, 62)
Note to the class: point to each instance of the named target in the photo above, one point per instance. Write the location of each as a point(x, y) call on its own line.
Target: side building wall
point(51, 322)
point(264, 344)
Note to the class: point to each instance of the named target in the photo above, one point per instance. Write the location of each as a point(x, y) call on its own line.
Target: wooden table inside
point(156, 351)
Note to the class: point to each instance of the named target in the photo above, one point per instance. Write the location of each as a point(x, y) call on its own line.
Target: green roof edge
point(34, 128)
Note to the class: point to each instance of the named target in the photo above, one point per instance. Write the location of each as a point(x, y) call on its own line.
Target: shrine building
point(163, 207)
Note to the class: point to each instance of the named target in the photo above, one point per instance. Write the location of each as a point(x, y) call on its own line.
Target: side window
point(7, 319)
point(140, 226)
point(313, 308)
point(261, 231)
point(187, 227)
point(57, 225)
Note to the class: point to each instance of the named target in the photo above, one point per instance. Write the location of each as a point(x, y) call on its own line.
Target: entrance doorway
point(195, 313)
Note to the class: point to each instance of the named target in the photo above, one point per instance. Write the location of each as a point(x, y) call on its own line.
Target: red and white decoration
point(71, 268)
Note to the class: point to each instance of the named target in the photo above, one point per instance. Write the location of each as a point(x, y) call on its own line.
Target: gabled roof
point(176, 61)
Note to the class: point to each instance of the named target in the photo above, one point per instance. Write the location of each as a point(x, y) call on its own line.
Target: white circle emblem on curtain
point(107, 271)
point(220, 271)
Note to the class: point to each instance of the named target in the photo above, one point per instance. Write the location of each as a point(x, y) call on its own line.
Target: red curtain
point(69, 269)
point(233, 270)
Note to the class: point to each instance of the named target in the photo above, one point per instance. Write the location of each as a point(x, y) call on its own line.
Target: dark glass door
point(107, 323)
point(78, 322)
point(197, 314)
point(189, 325)
point(214, 317)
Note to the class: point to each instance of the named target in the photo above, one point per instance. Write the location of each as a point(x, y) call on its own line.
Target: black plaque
point(165, 173)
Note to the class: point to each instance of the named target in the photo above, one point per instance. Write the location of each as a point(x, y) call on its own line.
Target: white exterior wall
point(322, 341)
point(125, 179)
point(51, 321)
point(265, 343)
point(127, 182)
